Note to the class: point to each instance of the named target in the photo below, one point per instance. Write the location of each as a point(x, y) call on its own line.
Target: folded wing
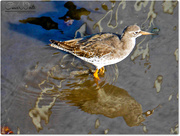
point(96, 45)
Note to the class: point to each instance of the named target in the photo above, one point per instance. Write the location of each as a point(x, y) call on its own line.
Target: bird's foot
point(96, 74)
point(101, 71)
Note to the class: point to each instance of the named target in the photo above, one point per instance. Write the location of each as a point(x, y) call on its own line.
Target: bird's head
point(134, 31)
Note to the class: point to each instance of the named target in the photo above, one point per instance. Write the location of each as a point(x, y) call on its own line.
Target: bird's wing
point(96, 45)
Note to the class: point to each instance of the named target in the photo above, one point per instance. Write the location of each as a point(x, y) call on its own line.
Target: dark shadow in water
point(48, 25)
point(44, 35)
point(46, 22)
point(73, 12)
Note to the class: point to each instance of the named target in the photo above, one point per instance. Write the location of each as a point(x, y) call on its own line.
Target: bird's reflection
point(109, 101)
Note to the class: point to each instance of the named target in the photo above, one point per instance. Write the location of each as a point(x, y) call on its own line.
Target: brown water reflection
point(109, 101)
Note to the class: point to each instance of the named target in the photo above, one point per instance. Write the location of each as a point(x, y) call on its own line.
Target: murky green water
point(48, 91)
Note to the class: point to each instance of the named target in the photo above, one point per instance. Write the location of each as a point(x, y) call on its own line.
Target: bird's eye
point(136, 33)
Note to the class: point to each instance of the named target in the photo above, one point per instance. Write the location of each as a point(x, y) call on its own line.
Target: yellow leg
point(96, 74)
point(102, 70)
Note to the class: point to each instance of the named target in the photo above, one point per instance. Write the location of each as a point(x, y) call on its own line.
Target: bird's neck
point(128, 43)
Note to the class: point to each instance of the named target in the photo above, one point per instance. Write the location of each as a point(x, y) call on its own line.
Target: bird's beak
point(146, 33)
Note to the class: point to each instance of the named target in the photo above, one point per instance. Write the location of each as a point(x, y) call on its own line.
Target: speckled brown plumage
point(95, 45)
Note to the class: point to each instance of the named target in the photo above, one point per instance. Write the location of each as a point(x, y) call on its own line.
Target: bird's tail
point(60, 45)
point(54, 42)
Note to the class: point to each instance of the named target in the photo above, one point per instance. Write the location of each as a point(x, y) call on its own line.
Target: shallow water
point(48, 91)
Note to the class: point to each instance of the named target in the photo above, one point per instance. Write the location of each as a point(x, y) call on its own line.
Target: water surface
point(48, 91)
